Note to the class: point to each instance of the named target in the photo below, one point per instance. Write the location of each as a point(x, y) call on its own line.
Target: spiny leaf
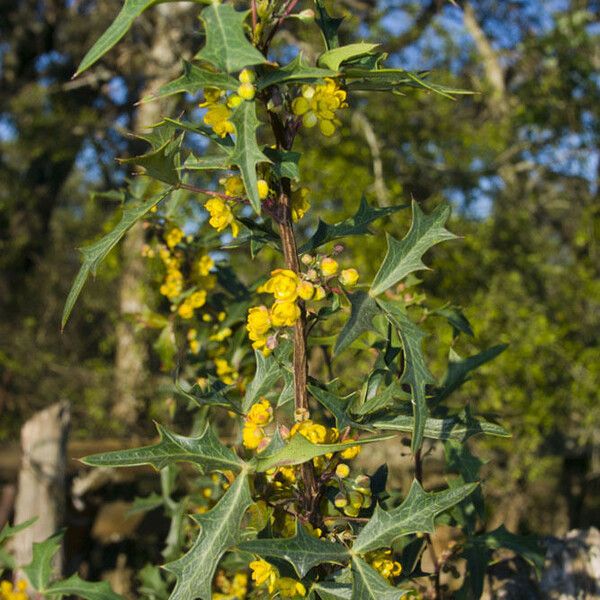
point(9, 530)
point(75, 586)
point(285, 163)
point(205, 451)
point(416, 374)
point(459, 369)
point(268, 372)
point(161, 163)
point(368, 584)
point(450, 428)
point(39, 570)
point(332, 590)
point(327, 24)
point(227, 46)
point(404, 257)
point(194, 80)
point(332, 59)
point(303, 551)
point(118, 28)
point(219, 531)
point(246, 153)
point(300, 450)
point(95, 253)
point(355, 225)
point(364, 309)
point(416, 513)
point(297, 71)
point(382, 397)
point(456, 318)
point(335, 405)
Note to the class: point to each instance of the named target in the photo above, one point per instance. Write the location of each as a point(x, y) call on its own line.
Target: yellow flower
point(263, 189)
point(247, 76)
point(349, 277)
point(263, 573)
point(173, 284)
point(314, 432)
point(329, 266)
point(260, 413)
point(318, 104)
point(319, 293)
point(299, 203)
point(290, 588)
point(283, 285)
point(246, 91)
point(205, 264)
point(252, 436)
point(221, 335)
point(173, 237)
point(226, 373)
point(233, 101)
point(284, 314)
point(383, 562)
point(342, 470)
point(221, 215)
point(211, 96)
point(351, 452)
point(217, 117)
point(306, 290)
point(259, 322)
point(234, 185)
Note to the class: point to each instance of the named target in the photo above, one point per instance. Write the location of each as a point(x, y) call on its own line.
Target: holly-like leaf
point(219, 530)
point(368, 584)
point(364, 309)
point(95, 253)
point(227, 46)
point(39, 570)
point(459, 369)
point(327, 24)
point(450, 428)
point(415, 374)
point(404, 257)
point(119, 27)
point(213, 393)
point(300, 450)
point(297, 71)
point(285, 163)
point(416, 513)
point(268, 373)
point(381, 397)
point(456, 318)
point(246, 153)
point(332, 590)
point(335, 405)
point(332, 59)
point(205, 451)
point(162, 163)
point(303, 551)
point(75, 586)
point(355, 225)
point(9, 530)
point(193, 80)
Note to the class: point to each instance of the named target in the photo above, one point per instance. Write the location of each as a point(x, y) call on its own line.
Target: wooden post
point(41, 491)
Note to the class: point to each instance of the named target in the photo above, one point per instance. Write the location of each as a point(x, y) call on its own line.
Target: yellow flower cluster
point(8, 591)
point(246, 89)
point(299, 203)
point(266, 575)
point(221, 216)
point(225, 372)
point(354, 496)
point(218, 113)
point(383, 562)
point(231, 589)
point(192, 302)
point(173, 236)
point(318, 104)
point(258, 417)
point(173, 283)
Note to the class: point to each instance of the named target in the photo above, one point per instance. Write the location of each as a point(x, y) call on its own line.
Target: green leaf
point(219, 530)
point(285, 163)
point(193, 80)
point(300, 450)
point(404, 257)
point(364, 309)
point(332, 590)
point(327, 24)
point(118, 28)
point(75, 586)
point(246, 153)
point(297, 71)
point(459, 369)
point(355, 225)
point(450, 428)
point(152, 585)
point(208, 163)
point(382, 397)
point(162, 163)
point(145, 504)
point(227, 46)
point(303, 551)
point(205, 451)
point(212, 394)
point(9, 530)
point(416, 374)
point(335, 405)
point(456, 318)
point(95, 253)
point(39, 570)
point(368, 584)
point(416, 513)
point(332, 59)
point(268, 372)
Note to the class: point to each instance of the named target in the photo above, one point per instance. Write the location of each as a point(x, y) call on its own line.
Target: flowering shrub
point(284, 509)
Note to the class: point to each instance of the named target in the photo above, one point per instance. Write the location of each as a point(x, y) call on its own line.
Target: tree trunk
point(42, 479)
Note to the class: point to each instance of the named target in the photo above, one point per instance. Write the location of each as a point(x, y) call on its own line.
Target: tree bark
point(42, 479)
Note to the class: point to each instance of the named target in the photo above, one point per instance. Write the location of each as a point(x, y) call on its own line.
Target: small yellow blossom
point(351, 452)
point(252, 436)
point(221, 216)
point(342, 470)
point(226, 373)
point(246, 91)
point(383, 562)
point(260, 413)
point(173, 237)
point(318, 104)
point(263, 573)
point(233, 101)
point(221, 335)
point(259, 322)
point(283, 284)
point(349, 277)
point(173, 284)
point(247, 76)
point(234, 186)
point(329, 266)
point(290, 588)
point(314, 432)
point(306, 290)
point(319, 293)
point(263, 189)
point(10, 592)
point(299, 204)
point(205, 264)
point(284, 314)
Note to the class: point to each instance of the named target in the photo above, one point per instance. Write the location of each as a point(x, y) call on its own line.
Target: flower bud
point(247, 76)
point(247, 91)
point(340, 501)
point(329, 266)
point(342, 471)
point(307, 259)
point(263, 189)
point(349, 277)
